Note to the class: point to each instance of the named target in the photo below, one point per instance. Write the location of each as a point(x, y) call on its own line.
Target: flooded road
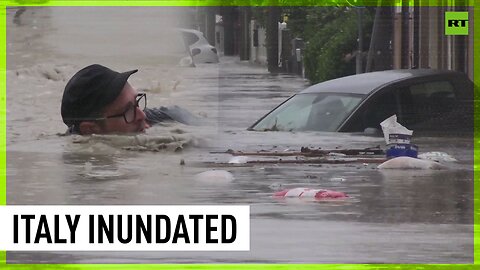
point(393, 216)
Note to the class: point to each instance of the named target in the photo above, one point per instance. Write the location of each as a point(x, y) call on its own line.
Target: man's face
point(120, 105)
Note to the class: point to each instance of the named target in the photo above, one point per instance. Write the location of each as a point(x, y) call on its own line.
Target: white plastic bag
point(391, 126)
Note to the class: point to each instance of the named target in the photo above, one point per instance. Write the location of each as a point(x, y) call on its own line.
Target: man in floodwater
point(98, 100)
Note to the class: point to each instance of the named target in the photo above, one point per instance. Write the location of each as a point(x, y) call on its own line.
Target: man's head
point(99, 100)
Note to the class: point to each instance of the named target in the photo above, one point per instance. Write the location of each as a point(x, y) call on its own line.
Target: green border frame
point(3, 134)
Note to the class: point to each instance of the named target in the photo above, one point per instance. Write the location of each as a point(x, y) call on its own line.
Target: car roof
point(190, 31)
point(367, 82)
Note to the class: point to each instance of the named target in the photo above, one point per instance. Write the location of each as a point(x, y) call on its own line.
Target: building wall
point(219, 39)
point(425, 26)
point(258, 54)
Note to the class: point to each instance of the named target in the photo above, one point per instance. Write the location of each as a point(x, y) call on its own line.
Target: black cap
point(89, 91)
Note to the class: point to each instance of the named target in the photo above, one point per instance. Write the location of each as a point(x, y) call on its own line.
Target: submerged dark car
point(422, 99)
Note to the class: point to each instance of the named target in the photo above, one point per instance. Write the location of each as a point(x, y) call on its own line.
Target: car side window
point(425, 101)
point(190, 38)
point(378, 108)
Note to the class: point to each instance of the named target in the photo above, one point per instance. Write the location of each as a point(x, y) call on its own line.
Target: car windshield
point(310, 112)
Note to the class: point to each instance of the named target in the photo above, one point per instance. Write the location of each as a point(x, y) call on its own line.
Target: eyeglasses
point(130, 113)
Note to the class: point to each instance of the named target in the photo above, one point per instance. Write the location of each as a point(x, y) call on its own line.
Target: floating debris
point(317, 194)
point(338, 179)
point(238, 160)
point(411, 163)
point(437, 156)
point(214, 177)
point(275, 186)
point(305, 151)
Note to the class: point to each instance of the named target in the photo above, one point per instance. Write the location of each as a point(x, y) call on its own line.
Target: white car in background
point(201, 51)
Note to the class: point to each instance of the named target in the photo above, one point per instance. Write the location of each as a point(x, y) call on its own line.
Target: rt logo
point(456, 23)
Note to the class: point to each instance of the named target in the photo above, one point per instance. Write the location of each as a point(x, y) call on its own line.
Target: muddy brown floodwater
point(390, 216)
